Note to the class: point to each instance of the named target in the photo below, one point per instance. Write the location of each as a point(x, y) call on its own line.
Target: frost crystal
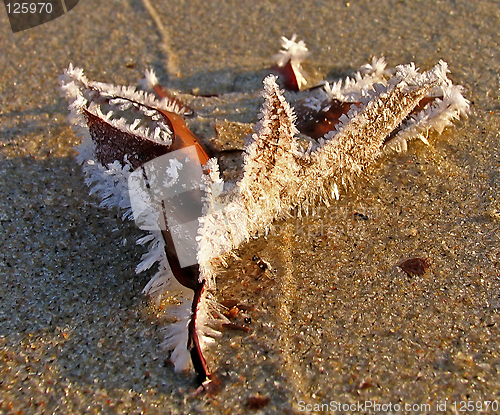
point(290, 59)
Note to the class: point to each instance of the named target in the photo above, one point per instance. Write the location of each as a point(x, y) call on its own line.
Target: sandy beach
point(336, 325)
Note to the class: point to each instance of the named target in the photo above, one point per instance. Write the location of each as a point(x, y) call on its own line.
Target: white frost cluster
point(149, 81)
point(278, 177)
point(108, 182)
point(449, 105)
point(354, 89)
point(295, 53)
point(111, 184)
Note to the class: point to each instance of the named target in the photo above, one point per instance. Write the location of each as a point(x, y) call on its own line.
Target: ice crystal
point(289, 61)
